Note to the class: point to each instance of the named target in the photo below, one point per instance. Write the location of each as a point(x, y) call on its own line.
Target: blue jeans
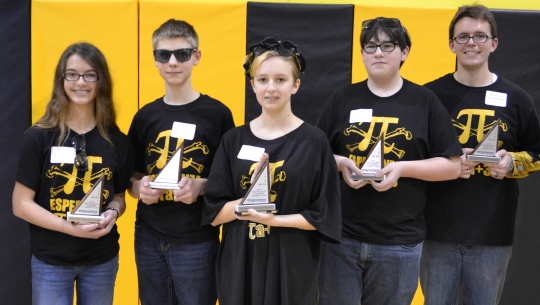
point(53, 285)
point(175, 274)
point(354, 272)
point(474, 273)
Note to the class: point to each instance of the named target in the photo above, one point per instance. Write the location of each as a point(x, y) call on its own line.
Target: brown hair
point(58, 107)
point(475, 11)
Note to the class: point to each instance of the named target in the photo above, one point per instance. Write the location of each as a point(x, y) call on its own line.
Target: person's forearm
point(226, 214)
point(292, 221)
point(433, 169)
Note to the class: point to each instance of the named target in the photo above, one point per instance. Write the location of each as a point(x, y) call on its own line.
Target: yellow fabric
point(523, 165)
point(112, 26)
point(221, 28)
point(429, 57)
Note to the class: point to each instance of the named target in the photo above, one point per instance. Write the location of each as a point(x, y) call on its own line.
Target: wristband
point(114, 209)
point(510, 170)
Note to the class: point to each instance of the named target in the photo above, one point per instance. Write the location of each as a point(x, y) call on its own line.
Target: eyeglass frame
point(172, 53)
point(81, 159)
point(79, 77)
point(469, 38)
point(379, 46)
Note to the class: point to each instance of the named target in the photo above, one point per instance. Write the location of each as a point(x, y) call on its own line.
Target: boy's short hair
point(475, 11)
point(392, 27)
point(173, 28)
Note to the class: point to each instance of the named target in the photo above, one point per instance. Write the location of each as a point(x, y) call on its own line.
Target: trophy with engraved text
point(258, 194)
point(374, 162)
point(170, 174)
point(486, 150)
point(89, 208)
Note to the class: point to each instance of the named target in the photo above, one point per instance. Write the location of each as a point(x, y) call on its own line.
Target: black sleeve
point(31, 158)
point(324, 211)
point(219, 188)
point(126, 165)
point(135, 136)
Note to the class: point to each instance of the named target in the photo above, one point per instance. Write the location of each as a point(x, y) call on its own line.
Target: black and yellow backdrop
point(34, 33)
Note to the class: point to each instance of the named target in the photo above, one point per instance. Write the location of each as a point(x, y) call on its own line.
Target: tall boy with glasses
point(378, 260)
point(175, 256)
point(471, 220)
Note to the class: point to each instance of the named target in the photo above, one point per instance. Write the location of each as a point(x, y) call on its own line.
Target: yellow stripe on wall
point(221, 28)
point(112, 26)
point(429, 57)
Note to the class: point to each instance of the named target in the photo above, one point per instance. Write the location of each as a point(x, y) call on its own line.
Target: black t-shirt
point(59, 187)
point(481, 209)
point(415, 126)
point(259, 264)
point(150, 133)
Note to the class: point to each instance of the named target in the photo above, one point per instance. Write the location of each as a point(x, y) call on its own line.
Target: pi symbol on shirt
point(370, 138)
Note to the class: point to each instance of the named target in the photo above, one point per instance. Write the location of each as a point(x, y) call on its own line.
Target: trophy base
point(480, 158)
point(84, 218)
point(367, 176)
point(242, 209)
point(163, 186)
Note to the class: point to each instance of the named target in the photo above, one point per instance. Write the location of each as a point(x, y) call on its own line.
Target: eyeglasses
point(181, 55)
point(88, 77)
point(387, 22)
point(463, 39)
point(81, 160)
point(385, 47)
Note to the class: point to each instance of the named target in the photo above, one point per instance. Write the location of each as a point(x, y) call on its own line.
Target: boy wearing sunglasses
point(175, 256)
point(378, 260)
point(471, 220)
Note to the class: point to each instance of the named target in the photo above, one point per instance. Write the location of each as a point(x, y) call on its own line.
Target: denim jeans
point(53, 285)
point(354, 272)
point(168, 273)
point(474, 273)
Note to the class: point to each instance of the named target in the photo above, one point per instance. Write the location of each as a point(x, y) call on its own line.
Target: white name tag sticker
point(184, 131)
point(60, 154)
point(496, 98)
point(252, 153)
point(361, 115)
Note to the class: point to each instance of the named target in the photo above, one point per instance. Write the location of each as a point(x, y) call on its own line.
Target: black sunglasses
point(387, 22)
point(181, 55)
point(81, 160)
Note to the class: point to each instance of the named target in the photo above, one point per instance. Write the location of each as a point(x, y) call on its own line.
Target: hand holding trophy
point(486, 150)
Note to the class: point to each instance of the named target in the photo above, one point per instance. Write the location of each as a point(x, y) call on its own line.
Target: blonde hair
point(173, 28)
point(258, 60)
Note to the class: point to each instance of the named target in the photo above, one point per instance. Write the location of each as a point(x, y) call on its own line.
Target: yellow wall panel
point(494, 4)
point(430, 56)
point(221, 28)
point(112, 27)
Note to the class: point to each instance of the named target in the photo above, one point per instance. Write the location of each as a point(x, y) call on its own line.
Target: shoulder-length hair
point(58, 107)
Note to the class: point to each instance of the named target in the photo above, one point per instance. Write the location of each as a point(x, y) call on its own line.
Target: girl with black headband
point(270, 258)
